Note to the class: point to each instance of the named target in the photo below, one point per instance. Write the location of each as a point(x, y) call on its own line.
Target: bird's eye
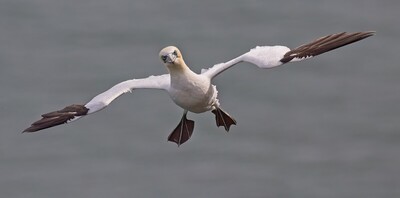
point(164, 58)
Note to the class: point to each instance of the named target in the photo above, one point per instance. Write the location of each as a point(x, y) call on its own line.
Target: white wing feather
point(104, 99)
point(262, 56)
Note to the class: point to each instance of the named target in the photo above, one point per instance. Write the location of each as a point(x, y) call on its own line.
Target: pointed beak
point(170, 58)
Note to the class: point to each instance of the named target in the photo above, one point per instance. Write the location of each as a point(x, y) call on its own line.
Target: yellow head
point(172, 58)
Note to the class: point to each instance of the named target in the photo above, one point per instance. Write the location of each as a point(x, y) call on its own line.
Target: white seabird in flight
point(195, 92)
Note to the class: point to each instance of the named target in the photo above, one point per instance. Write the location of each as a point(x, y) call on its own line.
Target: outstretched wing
point(99, 102)
point(272, 56)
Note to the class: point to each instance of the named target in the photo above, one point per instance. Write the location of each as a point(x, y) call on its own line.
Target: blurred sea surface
point(325, 127)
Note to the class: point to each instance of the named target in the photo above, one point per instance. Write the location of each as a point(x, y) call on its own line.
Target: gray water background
point(325, 127)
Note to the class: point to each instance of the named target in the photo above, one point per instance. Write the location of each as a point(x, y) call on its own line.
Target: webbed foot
point(223, 119)
point(183, 131)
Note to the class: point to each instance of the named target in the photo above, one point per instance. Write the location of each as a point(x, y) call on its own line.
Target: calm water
point(326, 127)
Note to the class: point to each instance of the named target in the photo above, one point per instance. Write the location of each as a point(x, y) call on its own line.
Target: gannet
point(195, 92)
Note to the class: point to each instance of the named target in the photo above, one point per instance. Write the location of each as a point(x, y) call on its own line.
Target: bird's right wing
point(272, 56)
point(99, 102)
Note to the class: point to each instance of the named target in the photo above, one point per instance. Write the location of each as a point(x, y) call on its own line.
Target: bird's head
point(172, 57)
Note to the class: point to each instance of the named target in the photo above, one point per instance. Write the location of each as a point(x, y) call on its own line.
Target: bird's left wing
point(272, 56)
point(99, 102)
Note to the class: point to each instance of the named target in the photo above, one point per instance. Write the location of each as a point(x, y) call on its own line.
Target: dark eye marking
point(164, 58)
point(175, 53)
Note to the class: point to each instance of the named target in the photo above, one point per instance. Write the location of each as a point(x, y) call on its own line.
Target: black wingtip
point(325, 44)
point(32, 129)
point(57, 118)
point(363, 35)
point(370, 33)
point(27, 130)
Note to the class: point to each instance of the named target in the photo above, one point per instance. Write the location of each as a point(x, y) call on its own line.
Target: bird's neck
point(179, 68)
point(181, 72)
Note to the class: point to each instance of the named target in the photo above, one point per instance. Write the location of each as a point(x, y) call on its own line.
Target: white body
point(193, 92)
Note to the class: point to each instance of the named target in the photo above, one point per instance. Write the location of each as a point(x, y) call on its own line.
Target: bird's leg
point(223, 119)
point(183, 131)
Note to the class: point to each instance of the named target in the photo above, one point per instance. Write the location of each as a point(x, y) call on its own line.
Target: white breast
point(193, 92)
